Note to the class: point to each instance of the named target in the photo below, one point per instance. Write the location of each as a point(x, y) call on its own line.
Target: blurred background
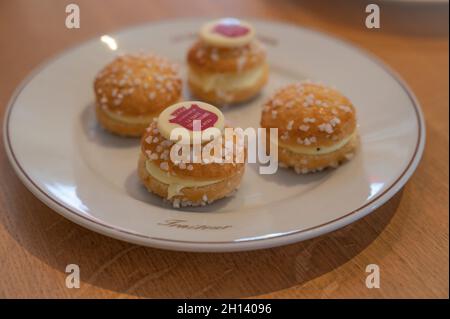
point(31, 31)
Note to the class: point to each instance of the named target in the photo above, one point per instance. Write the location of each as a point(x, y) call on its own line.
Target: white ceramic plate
point(89, 176)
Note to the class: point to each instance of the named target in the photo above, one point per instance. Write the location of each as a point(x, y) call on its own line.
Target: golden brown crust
point(190, 196)
point(309, 114)
point(220, 97)
point(138, 85)
point(220, 59)
point(157, 148)
point(303, 163)
point(119, 127)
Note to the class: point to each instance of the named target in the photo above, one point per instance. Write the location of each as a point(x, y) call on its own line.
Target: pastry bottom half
point(190, 196)
point(121, 127)
point(220, 97)
point(306, 163)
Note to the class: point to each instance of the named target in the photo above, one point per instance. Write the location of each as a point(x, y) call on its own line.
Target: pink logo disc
point(186, 116)
point(231, 30)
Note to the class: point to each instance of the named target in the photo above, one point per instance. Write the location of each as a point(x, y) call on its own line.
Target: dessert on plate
point(227, 64)
point(189, 179)
point(316, 126)
point(132, 90)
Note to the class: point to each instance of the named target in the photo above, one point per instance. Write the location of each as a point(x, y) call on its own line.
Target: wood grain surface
point(407, 237)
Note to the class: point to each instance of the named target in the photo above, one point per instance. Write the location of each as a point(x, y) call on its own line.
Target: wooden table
point(407, 238)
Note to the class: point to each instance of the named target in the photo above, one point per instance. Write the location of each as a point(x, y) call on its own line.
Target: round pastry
point(132, 90)
point(227, 64)
point(185, 182)
point(316, 126)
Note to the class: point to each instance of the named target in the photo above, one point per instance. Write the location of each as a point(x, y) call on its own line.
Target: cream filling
point(175, 183)
point(226, 81)
point(314, 150)
point(128, 119)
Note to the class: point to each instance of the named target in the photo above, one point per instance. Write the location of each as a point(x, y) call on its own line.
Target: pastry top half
point(310, 116)
point(137, 85)
point(157, 149)
point(211, 59)
point(226, 46)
